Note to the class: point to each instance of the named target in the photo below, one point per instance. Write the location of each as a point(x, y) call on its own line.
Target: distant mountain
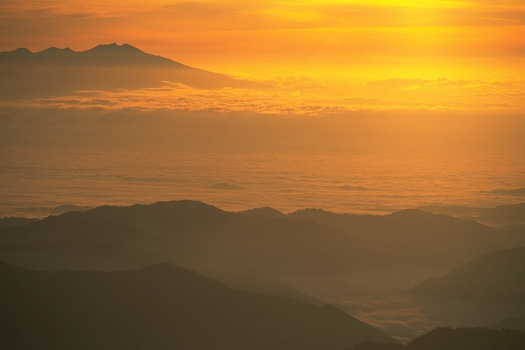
point(161, 307)
point(460, 211)
point(305, 243)
point(255, 252)
point(105, 67)
point(190, 234)
point(445, 338)
point(498, 216)
point(61, 209)
point(410, 231)
point(101, 55)
point(504, 215)
point(497, 275)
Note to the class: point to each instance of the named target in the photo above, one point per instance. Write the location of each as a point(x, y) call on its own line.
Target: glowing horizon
point(217, 34)
point(380, 54)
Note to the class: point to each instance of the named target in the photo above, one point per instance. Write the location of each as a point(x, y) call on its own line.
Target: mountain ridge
point(102, 54)
point(338, 241)
point(55, 72)
point(496, 275)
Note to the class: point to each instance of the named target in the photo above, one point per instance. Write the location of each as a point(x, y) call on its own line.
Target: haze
point(244, 164)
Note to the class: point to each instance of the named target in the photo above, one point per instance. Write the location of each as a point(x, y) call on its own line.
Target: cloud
point(448, 94)
point(303, 96)
point(518, 192)
point(225, 186)
point(352, 188)
point(363, 101)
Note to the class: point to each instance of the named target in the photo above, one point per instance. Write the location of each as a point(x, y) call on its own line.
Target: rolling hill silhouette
point(406, 232)
point(190, 234)
point(105, 67)
point(496, 275)
point(381, 254)
point(101, 55)
point(499, 216)
point(161, 307)
point(215, 242)
point(504, 215)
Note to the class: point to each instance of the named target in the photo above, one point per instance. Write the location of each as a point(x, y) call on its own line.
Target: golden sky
point(473, 47)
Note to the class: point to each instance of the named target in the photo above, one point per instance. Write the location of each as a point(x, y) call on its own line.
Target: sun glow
point(339, 44)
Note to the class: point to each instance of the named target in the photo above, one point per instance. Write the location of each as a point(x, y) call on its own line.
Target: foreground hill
point(495, 275)
point(457, 339)
point(62, 71)
point(161, 307)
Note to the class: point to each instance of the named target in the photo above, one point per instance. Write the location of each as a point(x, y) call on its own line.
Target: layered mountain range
point(195, 235)
point(259, 251)
point(304, 243)
point(497, 275)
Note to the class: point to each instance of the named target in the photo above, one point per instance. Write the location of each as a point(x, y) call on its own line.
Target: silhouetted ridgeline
point(184, 232)
point(58, 71)
point(500, 216)
point(504, 215)
point(407, 232)
point(102, 55)
point(496, 275)
point(190, 234)
point(161, 307)
point(330, 256)
point(458, 339)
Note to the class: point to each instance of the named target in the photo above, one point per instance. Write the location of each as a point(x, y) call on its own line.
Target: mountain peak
point(22, 50)
point(124, 56)
point(264, 211)
point(114, 47)
point(56, 49)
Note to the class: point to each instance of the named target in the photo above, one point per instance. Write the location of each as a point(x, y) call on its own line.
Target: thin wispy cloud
point(302, 96)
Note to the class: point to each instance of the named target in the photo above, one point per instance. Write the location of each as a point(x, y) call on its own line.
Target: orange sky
point(476, 47)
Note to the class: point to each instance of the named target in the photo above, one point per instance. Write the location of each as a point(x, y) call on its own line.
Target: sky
point(437, 78)
point(379, 54)
point(387, 39)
